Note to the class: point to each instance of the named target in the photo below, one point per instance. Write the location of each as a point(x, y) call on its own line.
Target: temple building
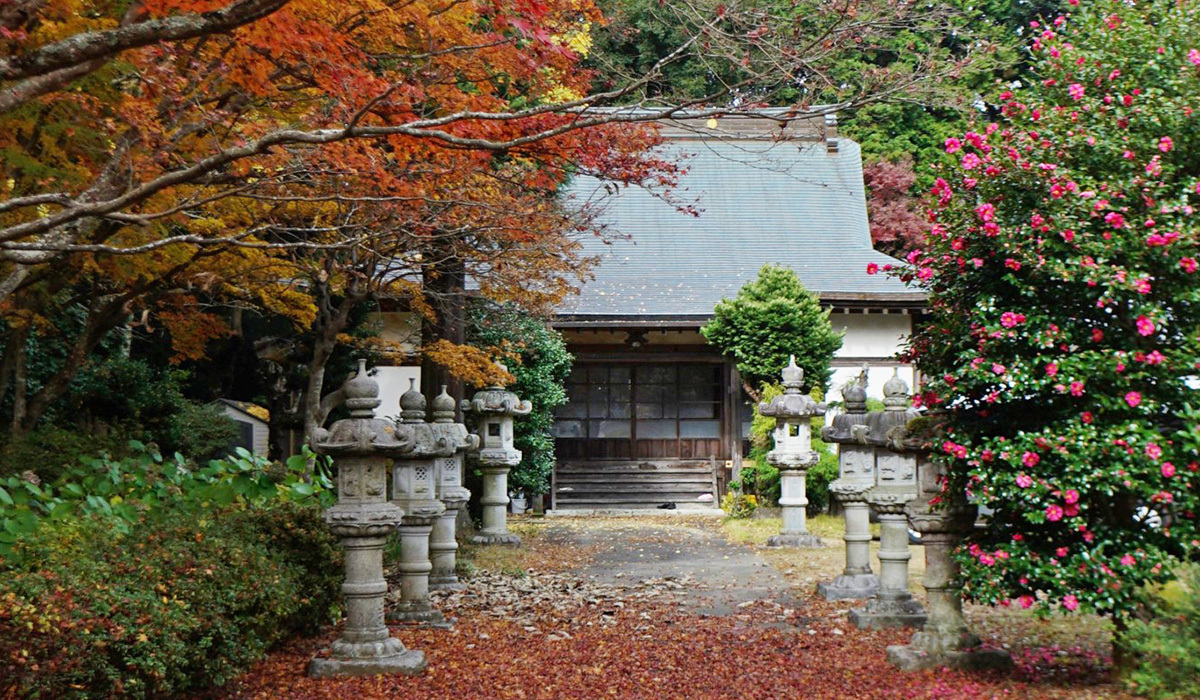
point(656, 415)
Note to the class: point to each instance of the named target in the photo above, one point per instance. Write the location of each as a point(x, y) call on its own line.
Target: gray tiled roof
point(789, 202)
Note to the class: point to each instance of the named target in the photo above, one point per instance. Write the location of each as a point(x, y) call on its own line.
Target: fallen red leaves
point(672, 655)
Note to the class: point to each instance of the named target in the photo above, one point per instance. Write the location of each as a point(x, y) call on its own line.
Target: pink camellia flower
point(1168, 469)
point(1076, 388)
point(1128, 560)
point(872, 268)
point(998, 369)
point(1075, 91)
point(1189, 264)
point(1024, 481)
point(1070, 602)
point(1026, 601)
point(1072, 510)
point(1008, 319)
point(1155, 358)
point(1054, 513)
point(1194, 57)
point(987, 559)
point(1051, 369)
point(953, 145)
point(1071, 496)
point(1142, 286)
point(1097, 335)
point(1030, 459)
point(1133, 398)
point(1060, 552)
point(1086, 417)
point(971, 161)
point(1115, 219)
point(1144, 325)
point(1153, 451)
point(1165, 144)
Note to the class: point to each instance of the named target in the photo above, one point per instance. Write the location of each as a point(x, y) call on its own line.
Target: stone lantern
point(895, 485)
point(942, 517)
point(361, 447)
point(856, 476)
point(414, 489)
point(793, 455)
point(450, 491)
point(493, 410)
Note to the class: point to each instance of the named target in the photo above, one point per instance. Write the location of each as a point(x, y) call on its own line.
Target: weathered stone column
point(942, 518)
point(895, 485)
point(443, 546)
point(793, 455)
point(493, 409)
point(856, 475)
point(413, 490)
point(363, 518)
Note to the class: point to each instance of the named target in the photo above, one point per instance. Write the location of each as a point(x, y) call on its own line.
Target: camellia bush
point(1063, 267)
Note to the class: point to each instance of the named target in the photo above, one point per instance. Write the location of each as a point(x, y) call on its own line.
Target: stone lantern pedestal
point(414, 491)
point(493, 410)
point(856, 476)
point(945, 639)
point(363, 518)
point(895, 485)
point(792, 456)
point(443, 546)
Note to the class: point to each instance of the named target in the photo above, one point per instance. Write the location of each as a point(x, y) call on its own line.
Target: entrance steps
point(634, 486)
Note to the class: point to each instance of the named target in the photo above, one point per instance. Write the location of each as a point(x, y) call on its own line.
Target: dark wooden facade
point(656, 403)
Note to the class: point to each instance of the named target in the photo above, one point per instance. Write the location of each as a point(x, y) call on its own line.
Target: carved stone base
point(424, 615)
point(449, 583)
point(911, 658)
point(507, 538)
point(857, 586)
point(806, 541)
point(885, 613)
point(367, 659)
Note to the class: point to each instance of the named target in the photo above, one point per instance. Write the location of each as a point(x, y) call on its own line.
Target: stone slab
point(855, 587)
point(507, 539)
point(865, 620)
point(907, 658)
point(408, 663)
point(807, 541)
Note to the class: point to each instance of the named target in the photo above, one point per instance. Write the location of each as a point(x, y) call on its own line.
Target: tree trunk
point(445, 286)
point(19, 381)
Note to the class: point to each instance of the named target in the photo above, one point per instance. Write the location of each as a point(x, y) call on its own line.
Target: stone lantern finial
point(443, 407)
point(412, 404)
point(793, 376)
point(895, 393)
point(361, 393)
point(855, 393)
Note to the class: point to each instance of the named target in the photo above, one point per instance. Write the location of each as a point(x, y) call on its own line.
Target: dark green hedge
point(183, 601)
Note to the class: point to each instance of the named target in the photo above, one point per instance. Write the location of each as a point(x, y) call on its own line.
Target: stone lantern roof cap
point(792, 403)
point(496, 400)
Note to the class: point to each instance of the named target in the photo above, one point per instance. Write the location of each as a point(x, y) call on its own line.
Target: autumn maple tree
point(168, 159)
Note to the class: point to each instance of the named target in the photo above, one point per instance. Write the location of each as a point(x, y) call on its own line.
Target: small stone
point(837, 631)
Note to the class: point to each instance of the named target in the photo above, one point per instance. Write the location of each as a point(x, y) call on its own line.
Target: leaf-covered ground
point(554, 620)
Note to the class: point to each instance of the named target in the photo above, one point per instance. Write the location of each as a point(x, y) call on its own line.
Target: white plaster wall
point(262, 438)
point(876, 377)
point(394, 381)
point(871, 335)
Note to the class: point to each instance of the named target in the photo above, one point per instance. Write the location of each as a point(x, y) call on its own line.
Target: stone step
point(634, 465)
point(634, 478)
point(624, 502)
point(697, 487)
point(631, 472)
